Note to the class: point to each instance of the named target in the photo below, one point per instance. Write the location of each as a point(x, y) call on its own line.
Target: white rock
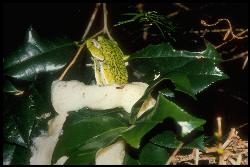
point(73, 95)
point(111, 155)
point(61, 160)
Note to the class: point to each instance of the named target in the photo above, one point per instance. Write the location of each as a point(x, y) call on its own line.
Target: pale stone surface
point(111, 155)
point(73, 95)
point(61, 160)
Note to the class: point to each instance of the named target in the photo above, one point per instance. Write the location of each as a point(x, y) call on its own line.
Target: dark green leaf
point(37, 56)
point(83, 158)
point(43, 111)
point(32, 115)
point(15, 155)
point(196, 143)
point(128, 160)
point(102, 139)
point(181, 82)
point(89, 130)
point(9, 87)
point(11, 132)
point(153, 155)
point(25, 117)
point(162, 60)
point(8, 151)
point(163, 109)
point(165, 139)
point(168, 139)
point(136, 107)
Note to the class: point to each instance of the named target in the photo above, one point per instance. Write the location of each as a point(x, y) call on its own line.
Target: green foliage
point(152, 154)
point(163, 60)
point(36, 56)
point(163, 109)
point(150, 18)
point(87, 130)
point(9, 87)
point(15, 155)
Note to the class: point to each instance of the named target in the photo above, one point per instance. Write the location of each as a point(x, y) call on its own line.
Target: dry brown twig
point(181, 6)
point(197, 154)
point(105, 21)
point(228, 32)
point(243, 54)
point(93, 16)
point(174, 153)
point(82, 46)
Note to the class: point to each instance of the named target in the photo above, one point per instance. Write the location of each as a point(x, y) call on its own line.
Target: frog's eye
point(96, 44)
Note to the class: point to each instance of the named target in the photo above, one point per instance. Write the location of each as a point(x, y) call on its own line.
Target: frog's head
point(101, 38)
point(95, 48)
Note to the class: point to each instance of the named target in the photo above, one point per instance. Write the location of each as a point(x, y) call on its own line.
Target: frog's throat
point(97, 57)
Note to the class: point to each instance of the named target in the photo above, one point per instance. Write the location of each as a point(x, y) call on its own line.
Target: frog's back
point(114, 64)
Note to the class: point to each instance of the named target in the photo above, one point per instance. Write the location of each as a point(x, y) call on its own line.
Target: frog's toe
point(120, 86)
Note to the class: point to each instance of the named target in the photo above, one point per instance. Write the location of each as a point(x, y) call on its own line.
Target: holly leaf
point(153, 155)
point(8, 87)
point(27, 118)
point(163, 108)
point(167, 139)
point(149, 154)
point(162, 60)
point(15, 155)
point(36, 56)
point(87, 131)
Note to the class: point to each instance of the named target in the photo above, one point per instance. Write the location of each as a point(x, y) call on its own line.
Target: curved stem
point(91, 21)
point(105, 21)
point(104, 30)
point(76, 56)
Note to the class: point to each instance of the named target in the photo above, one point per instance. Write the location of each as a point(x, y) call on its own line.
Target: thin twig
point(245, 63)
point(238, 37)
point(76, 56)
point(215, 30)
point(72, 62)
point(219, 127)
point(231, 135)
point(140, 8)
point(93, 16)
point(182, 6)
point(220, 150)
point(174, 153)
point(197, 154)
point(229, 31)
point(241, 126)
point(105, 21)
point(243, 54)
point(173, 14)
point(239, 159)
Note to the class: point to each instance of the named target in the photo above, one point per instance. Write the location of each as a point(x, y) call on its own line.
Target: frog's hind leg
point(120, 86)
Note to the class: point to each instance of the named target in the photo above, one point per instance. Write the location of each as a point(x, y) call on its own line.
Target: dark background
point(228, 98)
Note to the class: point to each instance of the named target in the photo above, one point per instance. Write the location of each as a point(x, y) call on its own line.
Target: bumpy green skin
point(108, 61)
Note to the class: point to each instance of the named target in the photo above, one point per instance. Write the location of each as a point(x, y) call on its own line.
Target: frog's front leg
point(98, 76)
point(125, 59)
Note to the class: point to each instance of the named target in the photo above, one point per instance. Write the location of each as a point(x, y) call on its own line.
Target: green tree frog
point(109, 61)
